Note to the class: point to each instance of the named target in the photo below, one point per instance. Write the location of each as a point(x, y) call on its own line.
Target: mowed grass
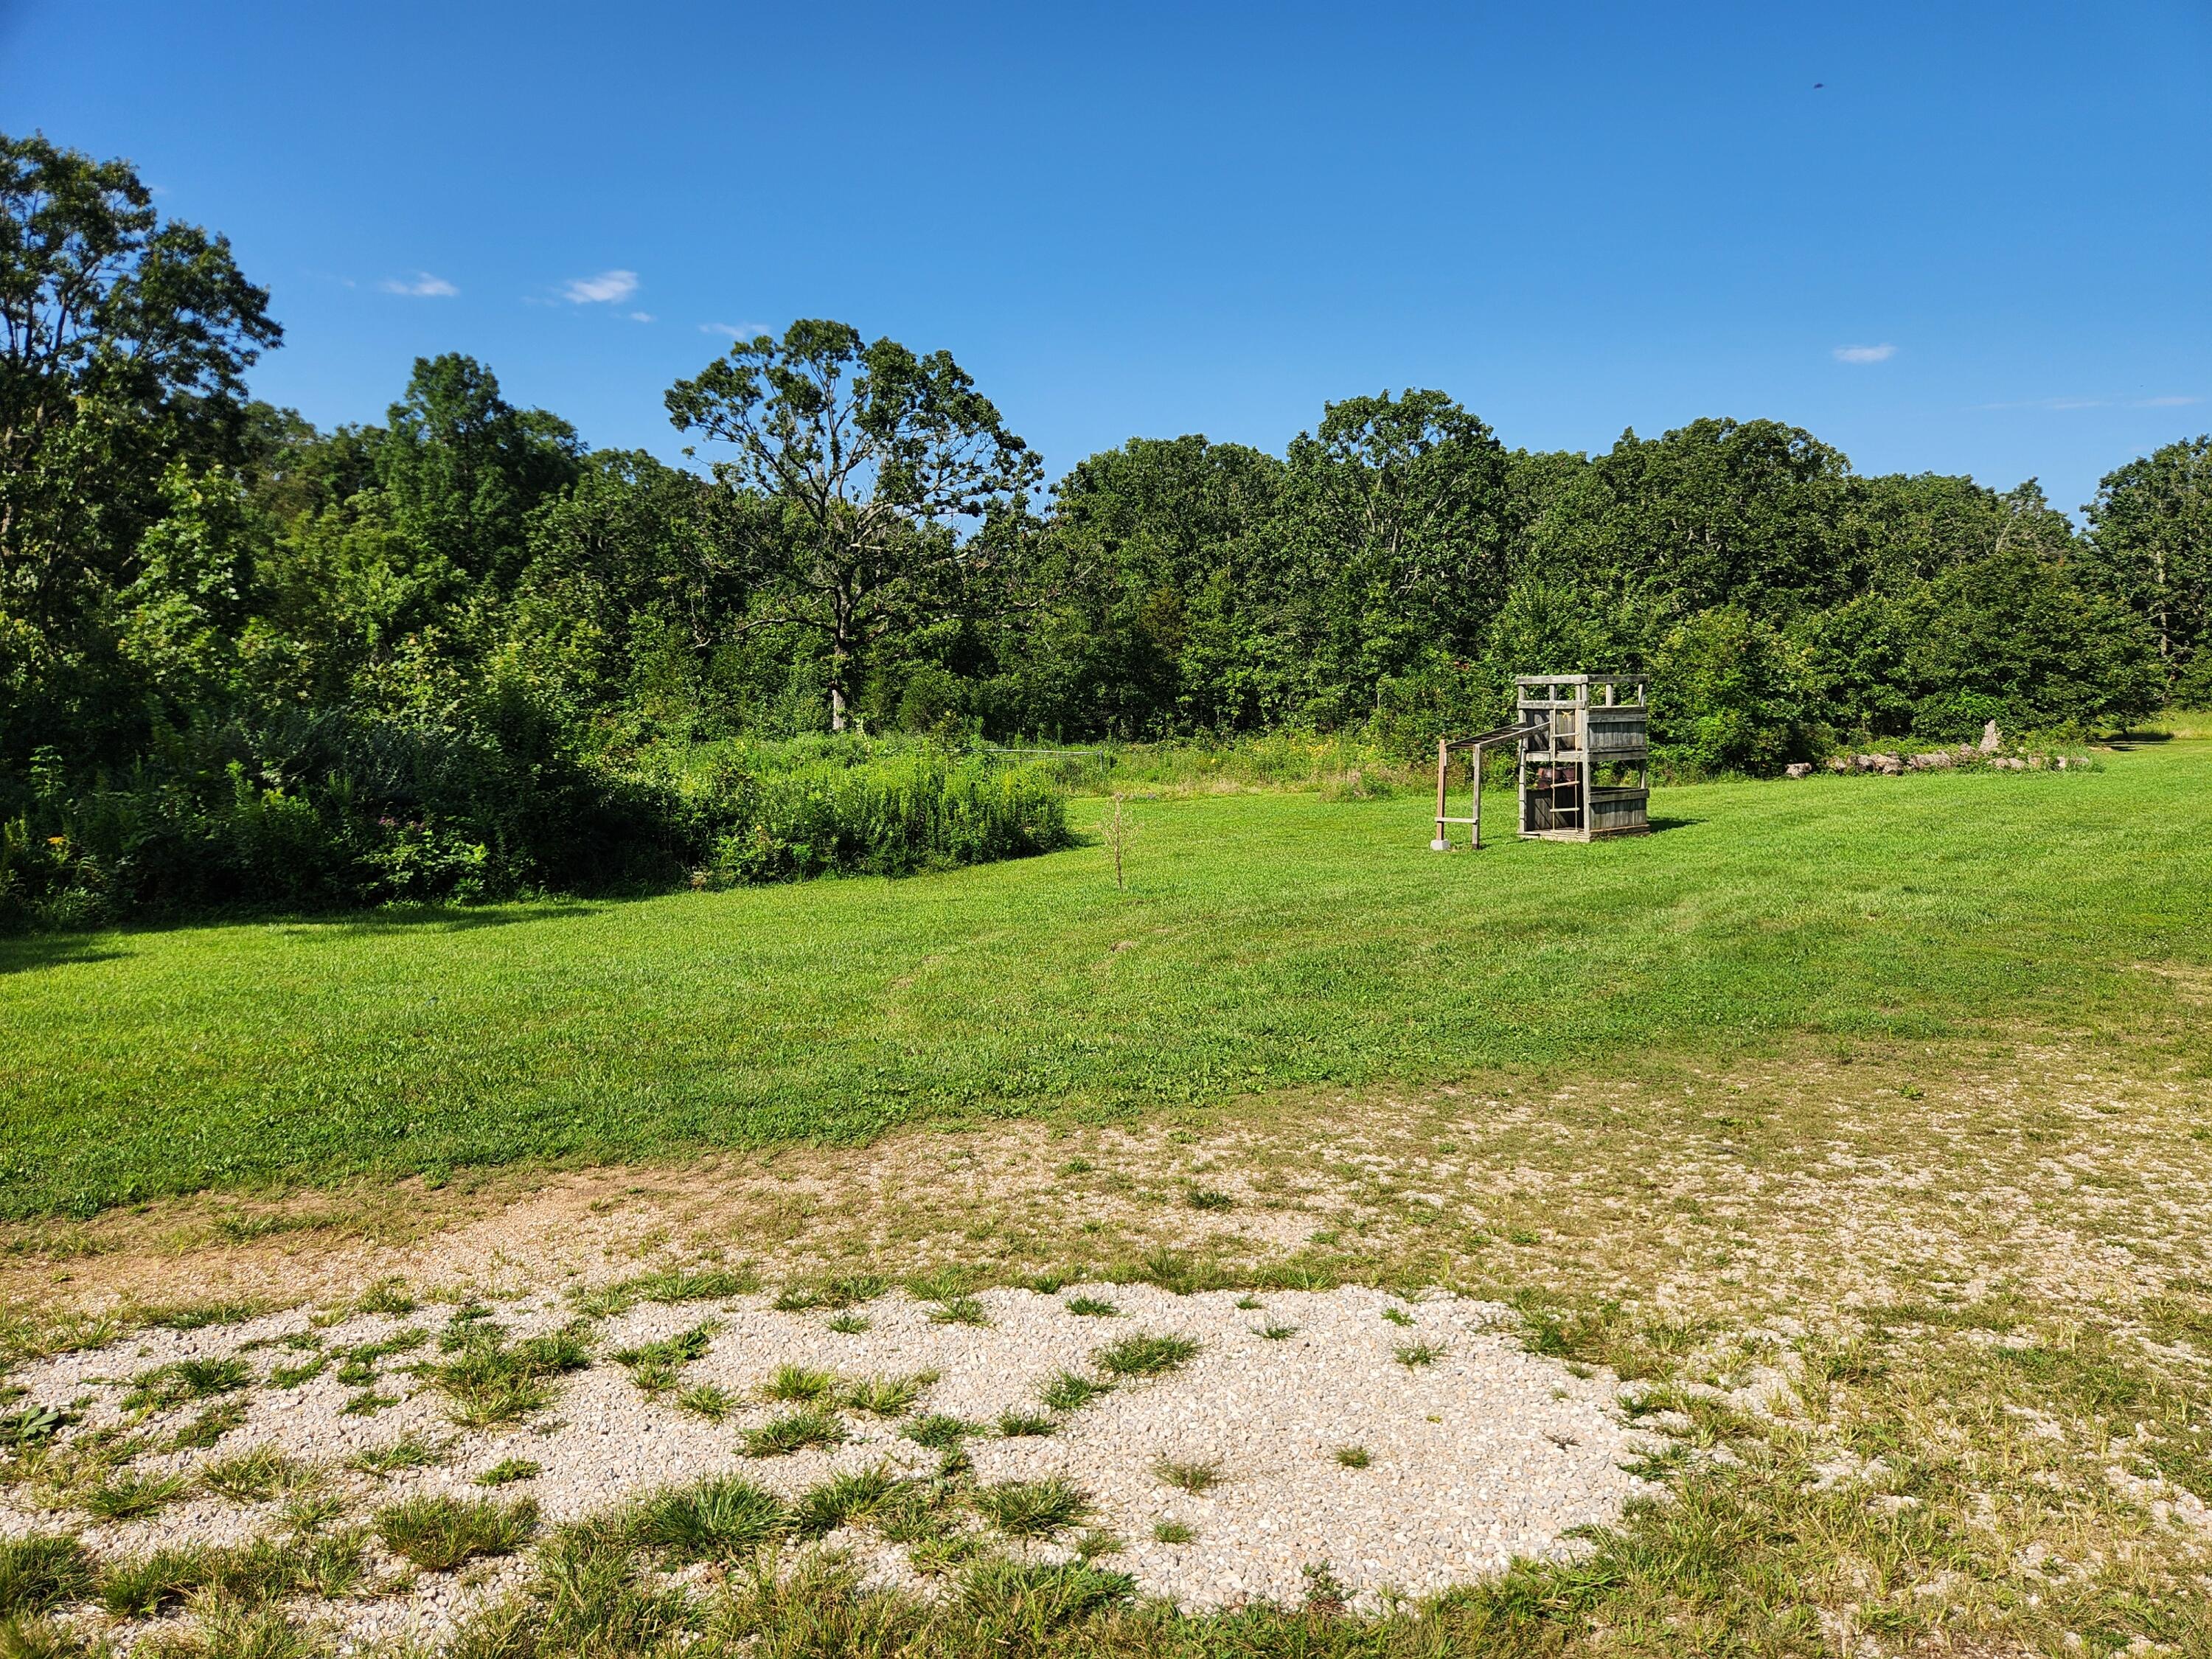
point(1266, 941)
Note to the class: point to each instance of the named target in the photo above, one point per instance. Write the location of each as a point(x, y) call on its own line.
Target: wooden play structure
point(1584, 767)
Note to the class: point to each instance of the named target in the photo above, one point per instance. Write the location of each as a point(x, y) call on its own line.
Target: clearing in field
point(1812, 1194)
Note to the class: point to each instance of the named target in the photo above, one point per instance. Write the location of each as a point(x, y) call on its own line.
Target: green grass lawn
point(1266, 940)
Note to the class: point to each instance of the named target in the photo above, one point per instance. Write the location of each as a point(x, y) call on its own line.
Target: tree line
point(458, 640)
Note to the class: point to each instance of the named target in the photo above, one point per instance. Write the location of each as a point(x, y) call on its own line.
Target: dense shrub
point(415, 809)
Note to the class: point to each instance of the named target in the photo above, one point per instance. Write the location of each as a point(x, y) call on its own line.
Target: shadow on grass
point(1659, 826)
point(23, 953)
point(28, 952)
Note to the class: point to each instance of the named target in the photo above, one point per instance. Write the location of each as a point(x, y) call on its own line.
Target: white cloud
point(734, 330)
point(421, 286)
point(1865, 353)
point(602, 290)
point(2170, 401)
point(640, 316)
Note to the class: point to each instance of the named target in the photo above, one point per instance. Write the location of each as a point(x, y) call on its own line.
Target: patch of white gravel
point(1486, 1453)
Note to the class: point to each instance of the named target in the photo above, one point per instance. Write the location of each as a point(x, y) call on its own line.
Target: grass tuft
point(408, 1452)
point(187, 1380)
point(256, 1476)
point(1171, 1532)
point(1092, 1307)
point(838, 1502)
point(126, 1497)
point(1413, 1355)
point(1196, 1478)
point(1071, 1391)
point(1145, 1355)
point(1015, 1424)
point(670, 1286)
point(938, 1431)
point(438, 1533)
point(707, 1400)
point(794, 1431)
point(1032, 1509)
point(1353, 1457)
point(716, 1520)
point(508, 1470)
point(829, 1295)
point(800, 1383)
point(490, 1381)
point(888, 1396)
point(656, 1367)
point(40, 1570)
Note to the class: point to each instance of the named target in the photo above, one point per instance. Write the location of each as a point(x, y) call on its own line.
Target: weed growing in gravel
point(1148, 1355)
point(1249, 1303)
point(199, 1315)
point(587, 1593)
point(1171, 1532)
point(33, 1425)
point(1415, 1354)
point(310, 1513)
point(959, 1311)
point(1015, 1424)
point(829, 1295)
point(1279, 1332)
point(850, 1498)
point(1071, 1391)
point(1206, 1198)
point(508, 1470)
point(799, 1384)
point(888, 1396)
point(224, 1630)
point(655, 1367)
point(1398, 1316)
point(387, 1296)
point(1097, 1542)
point(490, 1381)
point(127, 1496)
point(707, 1400)
point(360, 1367)
point(185, 1380)
point(848, 1324)
point(1353, 1457)
point(367, 1403)
point(1031, 1509)
point(938, 1431)
point(255, 1476)
point(670, 1285)
point(438, 1533)
point(408, 1452)
point(1196, 1478)
point(1093, 1306)
point(291, 1376)
point(208, 1427)
point(41, 1570)
point(794, 1431)
point(1076, 1166)
point(715, 1520)
point(139, 1589)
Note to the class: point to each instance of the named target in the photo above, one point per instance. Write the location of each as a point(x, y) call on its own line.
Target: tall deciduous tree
point(882, 465)
point(2150, 546)
point(123, 342)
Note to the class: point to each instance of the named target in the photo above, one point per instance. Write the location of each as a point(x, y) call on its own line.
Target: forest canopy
point(459, 653)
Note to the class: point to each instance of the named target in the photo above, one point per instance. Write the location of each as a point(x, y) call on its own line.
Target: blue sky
point(1982, 244)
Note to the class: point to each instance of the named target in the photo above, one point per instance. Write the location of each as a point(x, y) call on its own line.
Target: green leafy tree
point(888, 472)
point(122, 342)
point(2150, 547)
point(1729, 694)
point(1396, 515)
point(2017, 639)
point(463, 468)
